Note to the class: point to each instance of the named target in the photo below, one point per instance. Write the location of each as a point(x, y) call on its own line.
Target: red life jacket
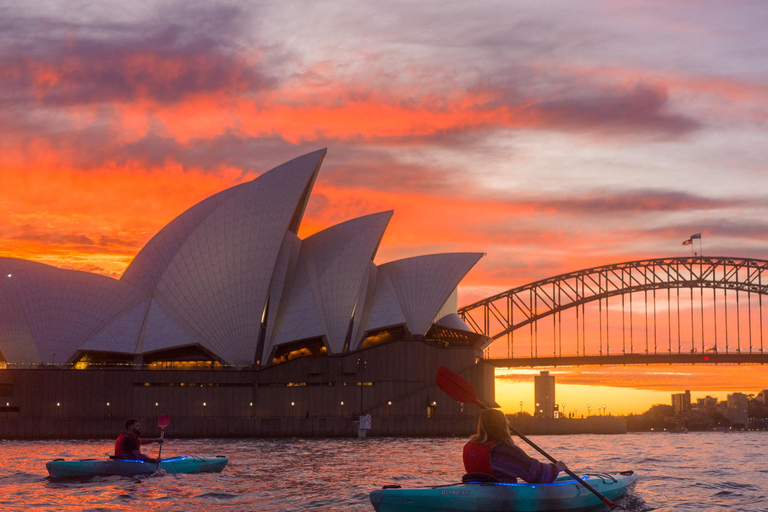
point(477, 458)
point(119, 446)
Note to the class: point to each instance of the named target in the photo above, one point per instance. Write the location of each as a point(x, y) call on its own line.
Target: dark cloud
point(749, 229)
point(111, 241)
point(28, 233)
point(183, 51)
point(635, 201)
point(640, 109)
point(72, 241)
point(372, 168)
point(232, 148)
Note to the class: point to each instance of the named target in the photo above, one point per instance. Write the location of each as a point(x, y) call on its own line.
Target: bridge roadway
point(630, 359)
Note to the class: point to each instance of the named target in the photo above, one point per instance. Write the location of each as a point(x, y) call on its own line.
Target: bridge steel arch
point(504, 313)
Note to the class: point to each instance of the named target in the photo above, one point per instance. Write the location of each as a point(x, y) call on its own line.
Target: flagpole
point(697, 236)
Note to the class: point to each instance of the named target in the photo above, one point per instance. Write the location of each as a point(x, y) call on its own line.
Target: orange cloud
point(97, 219)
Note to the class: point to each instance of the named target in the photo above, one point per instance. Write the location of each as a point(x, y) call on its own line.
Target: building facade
point(681, 402)
point(544, 395)
point(226, 306)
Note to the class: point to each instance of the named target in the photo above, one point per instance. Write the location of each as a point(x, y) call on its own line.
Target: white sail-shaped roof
point(52, 308)
point(208, 272)
point(421, 285)
point(364, 305)
point(282, 282)
point(149, 265)
point(453, 321)
point(221, 271)
point(218, 281)
point(332, 266)
point(382, 307)
point(120, 334)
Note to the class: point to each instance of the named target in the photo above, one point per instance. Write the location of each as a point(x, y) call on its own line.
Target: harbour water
point(678, 472)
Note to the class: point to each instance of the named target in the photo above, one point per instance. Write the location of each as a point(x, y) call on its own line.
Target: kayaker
point(128, 444)
point(493, 452)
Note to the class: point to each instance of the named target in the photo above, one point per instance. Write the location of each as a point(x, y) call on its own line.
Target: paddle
point(462, 391)
point(163, 421)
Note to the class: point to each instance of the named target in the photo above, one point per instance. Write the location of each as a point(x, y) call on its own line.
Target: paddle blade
point(163, 421)
point(456, 387)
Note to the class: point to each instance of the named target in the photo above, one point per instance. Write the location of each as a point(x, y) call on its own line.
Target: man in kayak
point(493, 452)
point(128, 444)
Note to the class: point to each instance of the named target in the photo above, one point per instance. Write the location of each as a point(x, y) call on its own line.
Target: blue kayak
point(564, 494)
point(61, 468)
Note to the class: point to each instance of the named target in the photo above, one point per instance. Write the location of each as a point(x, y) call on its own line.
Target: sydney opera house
point(233, 325)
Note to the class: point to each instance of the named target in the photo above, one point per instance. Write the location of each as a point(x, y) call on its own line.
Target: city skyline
point(585, 395)
point(551, 137)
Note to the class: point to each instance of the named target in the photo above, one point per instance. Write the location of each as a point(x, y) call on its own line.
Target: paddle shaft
point(162, 422)
point(162, 436)
point(460, 389)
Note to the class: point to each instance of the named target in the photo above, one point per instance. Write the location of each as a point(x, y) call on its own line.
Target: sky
point(551, 136)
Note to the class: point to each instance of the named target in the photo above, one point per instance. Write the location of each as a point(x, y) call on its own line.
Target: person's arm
point(140, 456)
point(150, 440)
point(509, 461)
point(131, 445)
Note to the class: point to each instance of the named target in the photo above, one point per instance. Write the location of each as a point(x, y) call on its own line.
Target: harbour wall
point(562, 426)
point(305, 397)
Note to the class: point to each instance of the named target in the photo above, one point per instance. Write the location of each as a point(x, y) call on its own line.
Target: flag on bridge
point(697, 236)
point(688, 242)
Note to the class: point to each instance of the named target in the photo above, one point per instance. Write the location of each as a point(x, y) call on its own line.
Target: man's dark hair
point(129, 423)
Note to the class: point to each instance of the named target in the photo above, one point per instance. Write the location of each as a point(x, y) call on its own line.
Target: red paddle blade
point(163, 421)
point(456, 387)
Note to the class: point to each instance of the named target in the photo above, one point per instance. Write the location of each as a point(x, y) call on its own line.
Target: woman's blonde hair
point(492, 426)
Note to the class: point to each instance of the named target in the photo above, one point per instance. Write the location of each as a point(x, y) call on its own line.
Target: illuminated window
point(306, 348)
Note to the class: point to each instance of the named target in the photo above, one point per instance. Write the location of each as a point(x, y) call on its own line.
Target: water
point(680, 472)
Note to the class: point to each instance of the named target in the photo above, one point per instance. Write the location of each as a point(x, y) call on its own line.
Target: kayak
point(565, 493)
point(61, 468)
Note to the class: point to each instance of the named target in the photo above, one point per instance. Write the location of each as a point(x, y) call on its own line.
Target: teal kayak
point(61, 468)
point(565, 493)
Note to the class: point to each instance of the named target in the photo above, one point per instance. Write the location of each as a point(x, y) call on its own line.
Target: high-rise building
point(738, 409)
point(681, 402)
point(544, 393)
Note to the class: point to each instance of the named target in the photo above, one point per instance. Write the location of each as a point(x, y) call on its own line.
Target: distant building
point(738, 409)
point(708, 402)
point(681, 402)
point(544, 393)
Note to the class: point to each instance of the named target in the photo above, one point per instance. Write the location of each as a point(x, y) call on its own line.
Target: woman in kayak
point(492, 451)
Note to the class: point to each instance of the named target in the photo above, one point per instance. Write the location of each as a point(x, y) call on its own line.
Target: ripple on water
point(677, 473)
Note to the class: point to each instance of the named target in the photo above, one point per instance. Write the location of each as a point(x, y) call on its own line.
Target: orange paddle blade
point(163, 421)
point(456, 387)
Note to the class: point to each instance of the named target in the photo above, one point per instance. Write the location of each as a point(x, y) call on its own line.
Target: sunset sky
point(553, 136)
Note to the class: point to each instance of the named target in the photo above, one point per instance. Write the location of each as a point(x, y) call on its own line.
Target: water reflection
point(698, 471)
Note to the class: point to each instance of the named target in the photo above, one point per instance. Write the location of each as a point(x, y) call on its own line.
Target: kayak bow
point(564, 494)
point(61, 468)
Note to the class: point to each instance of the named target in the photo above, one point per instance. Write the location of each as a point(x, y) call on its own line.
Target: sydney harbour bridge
point(689, 310)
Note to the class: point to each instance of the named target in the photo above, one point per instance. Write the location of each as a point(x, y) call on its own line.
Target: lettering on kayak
point(455, 493)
